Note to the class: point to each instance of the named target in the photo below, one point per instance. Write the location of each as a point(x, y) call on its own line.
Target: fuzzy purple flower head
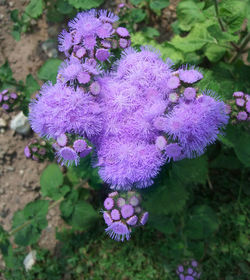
point(189, 270)
point(121, 219)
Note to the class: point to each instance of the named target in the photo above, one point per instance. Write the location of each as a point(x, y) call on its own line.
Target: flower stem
point(241, 49)
point(29, 221)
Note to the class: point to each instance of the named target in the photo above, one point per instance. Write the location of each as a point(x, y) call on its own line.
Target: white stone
point(2, 123)
point(29, 260)
point(20, 124)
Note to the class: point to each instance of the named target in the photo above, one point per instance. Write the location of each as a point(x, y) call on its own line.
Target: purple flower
point(189, 93)
point(189, 277)
point(173, 151)
point(144, 218)
point(107, 218)
point(67, 156)
point(13, 95)
point(120, 202)
point(106, 44)
point(108, 203)
point(83, 77)
point(194, 263)
point(5, 106)
point(127, 211)
point(95, 88)
point(132, 221)
point(60, 109)
point(190, 76)
point(128, 163)
point(180, 268)
point(242, 116)
point(65, 40)
point(102, 54)
point(84, 24)
point(113, 194)
point(186, 272)
point(79, 145)
point(62, 140)
point(238, 94)
point(106, 16)
point(197, 124)
point(228, 109)
point(122, 31)
point(123, 43)
point(161, 142)
point(105, 30)
point(89, 42)
point(115, 214)
point(85, 152)
point(27, 152)
point(118, 231)
point(80, 53)
point(240, 102)
point(248, 106)
point(134, 200)
point(4, 91)
point(173, 97)
point(173, 82)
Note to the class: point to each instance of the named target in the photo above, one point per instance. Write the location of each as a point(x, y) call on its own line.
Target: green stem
point(241, 49)
point(29, 221)
point(217, 15)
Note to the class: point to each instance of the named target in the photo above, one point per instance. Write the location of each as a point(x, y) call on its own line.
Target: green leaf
point(189, 14)
point(166, 49)
point(214, 52)
point(31, 86)
point(195, 40)
point(85, 171)
point(233, 13)
point(157, 5)
point(197, 248)
point(136, 2)
point(190, 170)
point(5, 72)
point(85, 4)
point(34, 214)
point(35, 8)
point(151, 32)
point(138, 15)
point(51, 179)
point(53, 15)
point(67, 205)
point(64, 7)
point(83, 216)
point(169, 198)
point(14, 16)
point(49, 70)
point(162, 223)
point(229, 161)
point(216, 32)
point(240, 140)
point(16, 33)
point(202, 222)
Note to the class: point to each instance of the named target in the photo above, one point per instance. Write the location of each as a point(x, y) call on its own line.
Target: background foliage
point(198, 208)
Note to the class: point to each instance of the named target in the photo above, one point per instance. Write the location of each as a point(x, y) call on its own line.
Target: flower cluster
point(69, 150)
point(239, 107)
point(190, 270)
point(122, 213)
point(8, 100)
point(137, 115)
point(153, 114)
point(38, 150)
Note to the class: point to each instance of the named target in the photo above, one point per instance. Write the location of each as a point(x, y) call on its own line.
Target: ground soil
point(19, 177)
